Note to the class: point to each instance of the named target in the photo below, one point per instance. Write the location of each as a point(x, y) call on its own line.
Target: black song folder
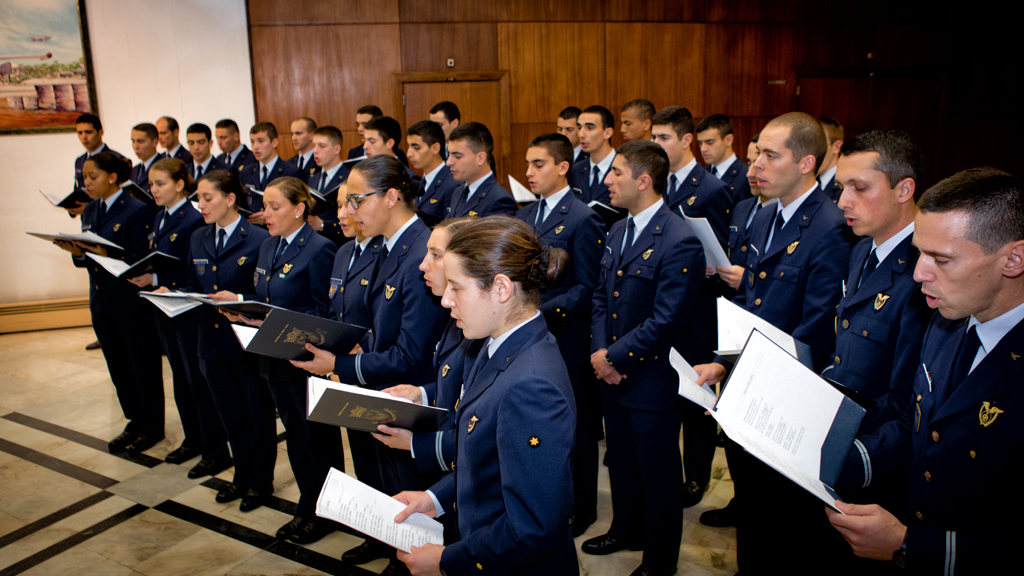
point(358, 408)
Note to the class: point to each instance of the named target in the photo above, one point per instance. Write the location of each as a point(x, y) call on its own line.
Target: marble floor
point(69, 507)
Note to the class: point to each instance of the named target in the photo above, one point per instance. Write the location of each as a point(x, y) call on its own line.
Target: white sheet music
point(55, 198)
point(171, 304)
point(245, 334)
point(521, 193)
point(112, 265)
point(713, 252)
point(735, 324)
point(702, 395)
point(317, 387)
point(354, 504)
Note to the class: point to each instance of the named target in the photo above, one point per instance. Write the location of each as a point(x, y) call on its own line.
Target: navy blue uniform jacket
point(701, 195)
point(349, 286)
point(330, 216)
point(214, 164)
point(490, 198)
point(244, 158)
point(797, 284)
point(231, 269)
point(959, 451)
point(579, 178)
point(127, 224)
point(513, 479)
point(435, 451)
point(646, 301)
point(879, 330)
point(437, 198)
point(735, 177)
point(250, 176)
point(173, 239)
point(407, 319)
point(305, 286)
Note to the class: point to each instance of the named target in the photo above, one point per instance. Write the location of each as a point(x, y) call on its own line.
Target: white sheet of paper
point(521, 193)
point(55, 198)
point(173, 306)
point(596, 203)
point(245, 334)
point(703, 395)
point(735, 324)
point(87, 237)
point(112, 265)
point(356, 505)
point(317, 386)
point(780, 412)
point(713, 252)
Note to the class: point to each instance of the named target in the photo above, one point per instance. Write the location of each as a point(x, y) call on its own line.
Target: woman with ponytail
point(516, 417)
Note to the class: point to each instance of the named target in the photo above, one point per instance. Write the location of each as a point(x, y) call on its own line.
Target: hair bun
point(554, 263)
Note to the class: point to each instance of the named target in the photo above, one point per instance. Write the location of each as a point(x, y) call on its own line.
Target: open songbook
point(735, 325)
point(155, 261)
point(85, 237)
point(69, 200)
point(284, 334)
point(714, 254)
point(521, 193)
point(350, 406)
point(783, 413)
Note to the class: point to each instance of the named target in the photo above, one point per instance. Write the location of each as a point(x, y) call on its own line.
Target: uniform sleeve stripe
point(950, 552)
point(437, 451)
point(359, 369)
point(865, 458)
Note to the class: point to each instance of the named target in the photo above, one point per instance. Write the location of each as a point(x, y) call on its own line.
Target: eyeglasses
point(354, 201)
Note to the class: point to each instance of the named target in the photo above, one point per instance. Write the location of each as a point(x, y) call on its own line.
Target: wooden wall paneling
point(276, 12)
point(912, 104)
point(663, 63)
point(551, 66)
point(740, 61)
point(848, 100)
point(453, 10)
point(426, 47)
point(911, 45)
point(557, 11)
point(330, 83)
point(825, 50)
point(656, 10)
point(751, 11)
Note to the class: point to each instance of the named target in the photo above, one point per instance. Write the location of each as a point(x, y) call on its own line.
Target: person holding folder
point(512, 487)
point(221, 261)
point(175, 222)
point(122, 321)
point(294, 272)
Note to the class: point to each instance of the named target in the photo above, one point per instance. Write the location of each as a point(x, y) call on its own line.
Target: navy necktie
point(323, 182)
point(714, 171)
point(595, 179)
point(965, 358)
point(673, 182)
point(869, 266)
point(103, 210)
point(779, 222)
point(199, 171)
point(355, 256)
point(628, 241)
point(302, 163)
point(541, 212)
point(263, 180)
point(222, 238)
point(757, 208)
point(280, 250)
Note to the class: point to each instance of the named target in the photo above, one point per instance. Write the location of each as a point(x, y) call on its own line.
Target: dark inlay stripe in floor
point(273, 502)
point(80, 438)
point(72, 541)
point(260, 540)
point(53, 518)
point(57, 465)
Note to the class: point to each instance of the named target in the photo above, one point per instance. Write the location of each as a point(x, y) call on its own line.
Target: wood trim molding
point(464, 76)
point(44, 315)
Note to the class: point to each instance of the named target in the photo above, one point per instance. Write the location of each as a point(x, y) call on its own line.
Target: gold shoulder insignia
point(534, 441)
point(472, 213)
point(389, 291)
point(472, 424)
point(691, 200)
point(312, 170)
point(433, 200)
point(988, 414)
point(117, 227)
point(880, 301)
point(174, 237)
point(900, 262)
point(792, 247)
point(444, 370)
point(288, 268)
point(559, 229)
point(241, 260)
point(364, 282)
point(648, 253)
point(1014, 356)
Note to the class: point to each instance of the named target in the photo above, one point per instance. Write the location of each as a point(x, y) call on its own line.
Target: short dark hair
point(370, 109)
point(198, 128)
point(755, 138)
point(451, 111)
point(148, 129)
point(229, 124)
point(476, 136)
point(806, 137)
point(387, 127)
point(120, 167)
point(556, 144)
point(644, 108)
point(833, 129)
point(226, 182)
point(607, 120)
point(646, 157)
point(383, 172)
point(718, 122)
point(992, 200)
point(570, 113)
point(267, 127)
point(430, 132)
point(172, 124)
point(310, 123)
point(332, 134)
point(899, 157)
point(90, 119)
point(677, 118)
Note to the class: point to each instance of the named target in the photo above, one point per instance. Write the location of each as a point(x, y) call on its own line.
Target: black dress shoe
point(311, 531)
point(606, 545)
point(143, 442)
point(368, 551)
point(645, 571)
point(285, 531)
point(253, 499)
point(692, 494)
point(209, 467)
point(578, 523)
point(181, 454)
point(94, 346)
point(121, 443)
point(721, 518)
point(396, 568)
point(229, 493)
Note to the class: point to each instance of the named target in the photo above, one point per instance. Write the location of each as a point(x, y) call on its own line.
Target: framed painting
point(46, 73)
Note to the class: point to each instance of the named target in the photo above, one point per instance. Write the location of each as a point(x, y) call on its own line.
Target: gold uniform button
point(935, 435)
point(479, 566)
point(216, 325)
point(341, 316)
point(615, 316)
point(918, 397)
point(743, 248)
point(630, 354)
point(616, 293)
point(638, 270)
point(762, 275)
point(846, 323)
point(619, 272)
point(865, 333)
point(614, 338)
point(214, 268)
point(927, 476)
point(97, 286)
point(974, 454)
point(919, 516)
point(757, 302)
point(685, 271)
point(268, 300)
point(558, 309)
point(781, 274)
point(214, 286)
point(838, 360)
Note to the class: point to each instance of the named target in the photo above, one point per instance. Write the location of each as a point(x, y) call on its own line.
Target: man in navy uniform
point(168, 132)
point(635, 120)
point(267, 168)
point(469, 153)
point(596, 128)
point(327, 147)
point(90, 134)
point(233, 153)
point(302, 140)
point(827, 171)
point(568, 126)
point(197, 136)
point(446, 114)
point(364, 115)
point(144, 139)
point(797, 259)
point(382, 135)
point(426, 142)
point(650, 278)
point(715, 138)
point(962, 431)
point(562, 220)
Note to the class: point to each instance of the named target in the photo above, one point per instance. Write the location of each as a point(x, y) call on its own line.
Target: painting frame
point(58, 120)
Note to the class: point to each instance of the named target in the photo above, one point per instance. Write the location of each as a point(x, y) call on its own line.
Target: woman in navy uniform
point(512, 486)
point(175, 222)
point(123, 324)
point(222, 260)
point(294, 272)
